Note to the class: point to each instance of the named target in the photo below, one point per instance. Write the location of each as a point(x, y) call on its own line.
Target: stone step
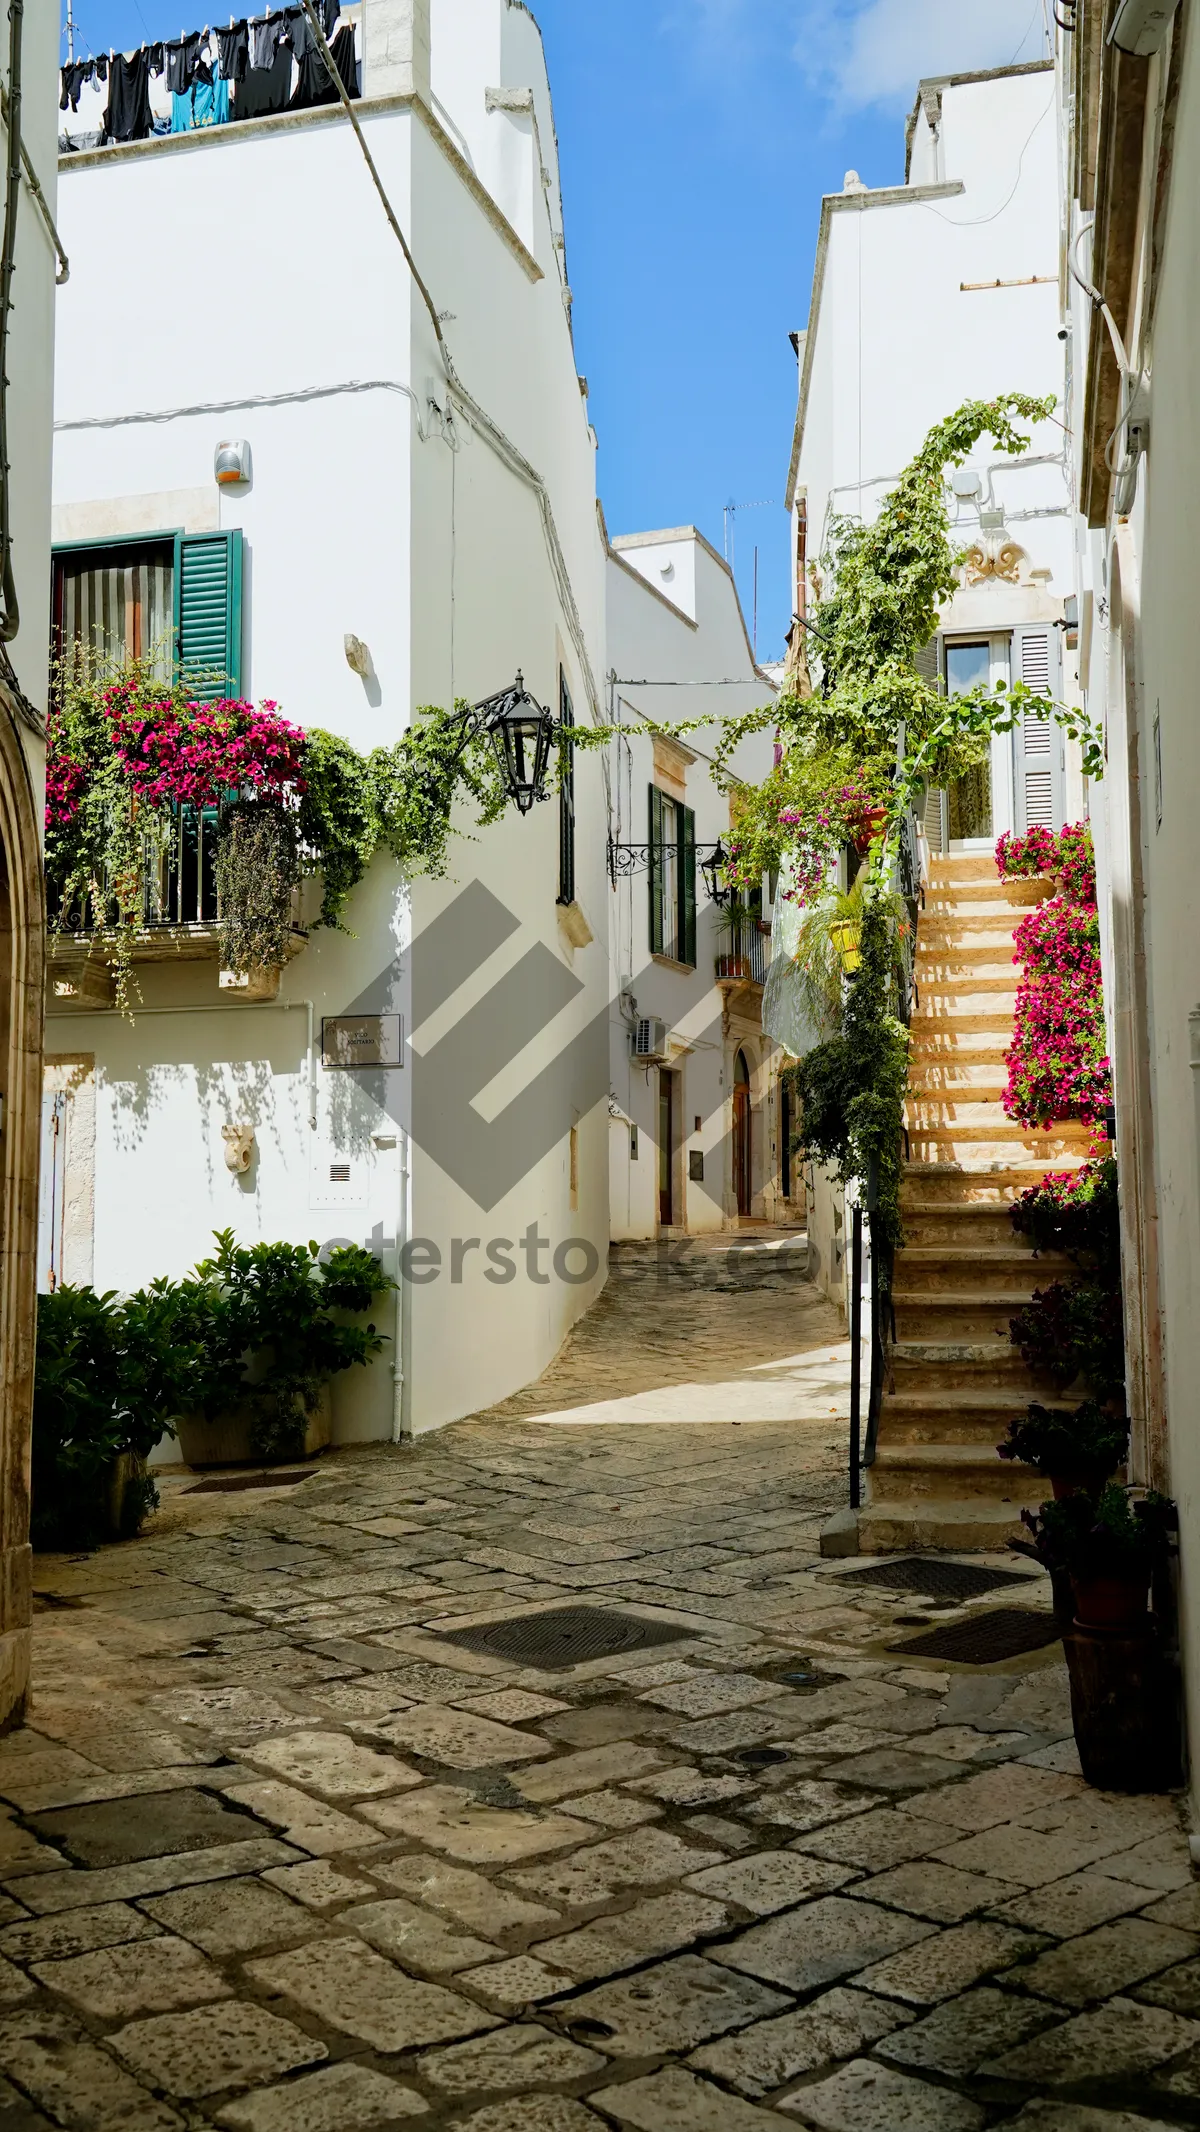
point(956, 973)
point(975, 1184)
point(971, 1224)
point(973, 1413)
point(955, 1525)
point(976, 1315)
point(985, 1147)
point(932, 1045)
point(962, 1269)
point(974, 895)
point(962, 866)
point(973, 1080)
point(994, 996)
point(975, 1110)
point(970, 930)
point(963, 1472)
point(967, 1365)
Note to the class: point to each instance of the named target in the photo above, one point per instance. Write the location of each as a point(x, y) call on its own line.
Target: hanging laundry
point(127, 115)
point(329, 11)
point(156, 54)
point(181, 61)
point(205, 104)
point(233, 46)
point(265, 41)
point(102, 67)
point(314, 85)
point(265, 89)
point(73, 78)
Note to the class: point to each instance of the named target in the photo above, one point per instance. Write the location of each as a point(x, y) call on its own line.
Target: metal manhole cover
point(932, 1578)
point(566, 1637)
point(233, 1483)
point(984, 1639)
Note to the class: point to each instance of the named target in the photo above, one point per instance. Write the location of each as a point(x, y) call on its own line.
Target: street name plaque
point(362, 1040)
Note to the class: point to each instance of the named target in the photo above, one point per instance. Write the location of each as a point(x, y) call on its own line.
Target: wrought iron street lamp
point(714, 870)
point(521, 732)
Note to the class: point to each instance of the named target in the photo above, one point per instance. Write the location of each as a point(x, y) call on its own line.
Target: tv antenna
point(731, 511)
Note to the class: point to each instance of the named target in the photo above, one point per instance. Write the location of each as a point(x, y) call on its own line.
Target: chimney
point(396, 36)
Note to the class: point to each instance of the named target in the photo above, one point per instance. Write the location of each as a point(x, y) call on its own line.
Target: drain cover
point(932, 1578)
point(761, 1757)
point(985, 1638)
point(233, 1483)
point(566, 1637)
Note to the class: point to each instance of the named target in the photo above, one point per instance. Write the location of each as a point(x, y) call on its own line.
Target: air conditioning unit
point(650, 1038)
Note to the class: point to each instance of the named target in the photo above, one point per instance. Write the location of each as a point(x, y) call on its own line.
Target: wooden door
point(742, 1175)
point(666, 1148)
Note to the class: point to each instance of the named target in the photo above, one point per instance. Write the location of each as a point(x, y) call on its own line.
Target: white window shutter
point(1038, 742)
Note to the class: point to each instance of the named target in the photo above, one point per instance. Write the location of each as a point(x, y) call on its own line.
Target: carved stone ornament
point(993, 555)
point(239, 1147)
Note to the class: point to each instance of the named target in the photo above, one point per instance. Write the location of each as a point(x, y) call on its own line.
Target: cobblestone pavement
point(280, 1856)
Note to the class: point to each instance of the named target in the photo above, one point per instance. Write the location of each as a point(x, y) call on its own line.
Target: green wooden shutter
point(208, 613)
point(687, 885)
point(656, 871)
point(566, 797)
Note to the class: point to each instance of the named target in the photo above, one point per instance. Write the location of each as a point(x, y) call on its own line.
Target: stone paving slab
point(338, 1875)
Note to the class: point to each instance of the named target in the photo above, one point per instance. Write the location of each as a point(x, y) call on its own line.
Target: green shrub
point(1088, 1441)
point(1069, 1332)
point(261, 1326)
point(1107, 1535)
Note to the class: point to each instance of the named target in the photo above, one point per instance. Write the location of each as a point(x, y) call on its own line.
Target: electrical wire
point(981, 221)
point(260, 399)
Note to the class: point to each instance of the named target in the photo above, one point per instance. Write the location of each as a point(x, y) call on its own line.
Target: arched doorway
point(742, 1172)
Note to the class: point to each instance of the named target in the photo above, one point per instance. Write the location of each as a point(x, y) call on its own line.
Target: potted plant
point(1109, 1545)
point(280, 1330)
point(1078, 1452)
point(109, 1378)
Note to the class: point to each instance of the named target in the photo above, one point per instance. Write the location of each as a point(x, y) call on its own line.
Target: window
point(566, 798)
point(672, 878)
point(970, 666)
point(173, 599)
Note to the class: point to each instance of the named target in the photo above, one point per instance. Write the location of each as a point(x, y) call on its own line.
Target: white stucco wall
point(438, 555)
point(674, 617)
point(896, 343)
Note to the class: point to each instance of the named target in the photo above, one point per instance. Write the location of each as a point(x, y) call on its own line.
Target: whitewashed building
point(1130, 114)
point(27, 363)
point(927, 294)
point(700, 1130)
point(414, 528)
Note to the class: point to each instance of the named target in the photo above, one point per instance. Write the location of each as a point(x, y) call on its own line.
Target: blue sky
point(697, 137)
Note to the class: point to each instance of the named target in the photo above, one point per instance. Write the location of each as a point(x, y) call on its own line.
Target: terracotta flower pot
point(1111, 1602)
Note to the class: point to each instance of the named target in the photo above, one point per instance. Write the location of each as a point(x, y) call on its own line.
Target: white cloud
point(860, 53)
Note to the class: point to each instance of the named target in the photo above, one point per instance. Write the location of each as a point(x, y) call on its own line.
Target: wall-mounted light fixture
point(231, 462)
point(1140, 26)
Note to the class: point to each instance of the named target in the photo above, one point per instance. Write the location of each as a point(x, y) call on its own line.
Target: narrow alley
point(542, 1777)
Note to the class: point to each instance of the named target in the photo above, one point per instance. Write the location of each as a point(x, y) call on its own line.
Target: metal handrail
point(908, 882)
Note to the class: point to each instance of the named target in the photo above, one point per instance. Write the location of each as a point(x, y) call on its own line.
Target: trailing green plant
point(274, 1306)
point(1111, 1535)
point(257, 874)
point(1090, 1442)
point(1076, 1212)
point(1070, 1332)
point(851, 1088)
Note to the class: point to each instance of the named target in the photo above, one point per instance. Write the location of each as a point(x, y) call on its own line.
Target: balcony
point(180, 922)
point(745, 950)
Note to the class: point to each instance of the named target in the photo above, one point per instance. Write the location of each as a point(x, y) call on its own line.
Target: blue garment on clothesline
point(206, 103)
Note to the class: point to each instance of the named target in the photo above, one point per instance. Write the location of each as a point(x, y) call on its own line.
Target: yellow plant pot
point(845, 937)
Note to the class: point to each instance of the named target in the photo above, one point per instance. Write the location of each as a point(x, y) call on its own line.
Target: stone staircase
point(955, 1379)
